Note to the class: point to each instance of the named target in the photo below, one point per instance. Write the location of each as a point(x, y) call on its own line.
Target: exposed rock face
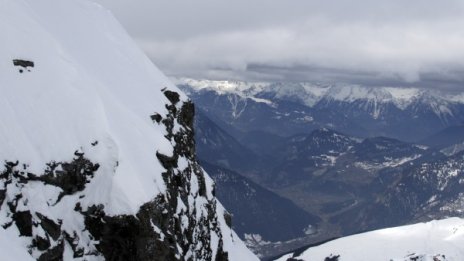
point(23, 65)
point(61, 179)
point(98, 157)
point(178, 225)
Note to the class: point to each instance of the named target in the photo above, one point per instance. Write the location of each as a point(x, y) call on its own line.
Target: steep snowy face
point(433, 241)
point(97, 146)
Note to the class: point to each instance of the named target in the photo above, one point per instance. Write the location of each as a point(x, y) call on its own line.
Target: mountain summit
point(97, 146)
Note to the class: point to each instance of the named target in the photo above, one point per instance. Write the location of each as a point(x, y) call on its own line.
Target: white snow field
point(432, 241)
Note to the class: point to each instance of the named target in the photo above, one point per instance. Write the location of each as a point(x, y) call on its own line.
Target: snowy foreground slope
point(97, 146)
point(441, 240)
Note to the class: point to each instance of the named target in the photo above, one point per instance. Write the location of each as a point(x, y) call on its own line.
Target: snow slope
point(90, 92)
point(433, 241)
point(80, 91)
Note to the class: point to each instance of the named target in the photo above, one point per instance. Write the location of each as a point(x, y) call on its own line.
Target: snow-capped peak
point(311, 93)
point(222, 86)
point(351, 93)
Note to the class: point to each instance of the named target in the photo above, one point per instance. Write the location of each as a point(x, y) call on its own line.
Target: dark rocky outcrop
point(47, 236)
point(169, 227)
point(332, 258)
point(23, 63)
point(173, 97)
point(70, 177)
point(2, 196)
point(156, 117)
point(23, 221)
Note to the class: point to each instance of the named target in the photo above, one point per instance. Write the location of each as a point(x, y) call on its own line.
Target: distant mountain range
point(285, 109)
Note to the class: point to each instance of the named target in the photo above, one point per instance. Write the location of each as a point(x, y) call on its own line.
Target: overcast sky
point(383, 42)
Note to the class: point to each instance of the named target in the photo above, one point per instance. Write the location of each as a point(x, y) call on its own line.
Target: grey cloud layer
point(397, 42)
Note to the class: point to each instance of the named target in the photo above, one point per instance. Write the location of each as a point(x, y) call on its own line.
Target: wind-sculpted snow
point(97, 146)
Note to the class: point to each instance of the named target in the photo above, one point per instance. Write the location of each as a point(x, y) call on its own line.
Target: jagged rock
point(2, 196)
point(23, 63)
point(166, 161)
point(228, 219)
point(41, 243)
point(53, 254)
point(23, 222)
point(156, 117)
point(52, 229)
point(332, 258)
point(173, 97)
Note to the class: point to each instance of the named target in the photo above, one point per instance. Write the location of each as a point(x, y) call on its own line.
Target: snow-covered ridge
point(440, 240)
point(242, 89)
point(95, 141)
point(311, 93)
